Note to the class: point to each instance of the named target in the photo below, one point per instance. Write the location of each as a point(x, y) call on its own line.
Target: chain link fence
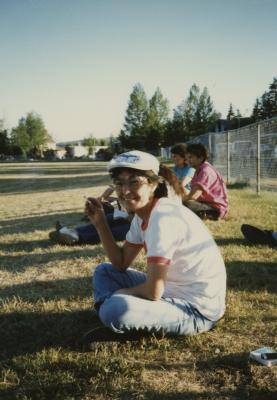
point(247, 155)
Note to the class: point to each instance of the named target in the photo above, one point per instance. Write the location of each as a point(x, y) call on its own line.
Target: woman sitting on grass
point(181, 169)
point(208, 195)
point(182, 291)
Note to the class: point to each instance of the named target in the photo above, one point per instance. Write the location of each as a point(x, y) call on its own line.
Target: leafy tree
point(4, 140)
point(135, 119)
point(102, 142)
point(205, 116)
point(89, 142)
point(156, 120)
point(158, 110)
point(196, 114)
point(30, 134)
point(104, 154)
point(114, 145)
point(174, 131)
point(49, 154)
point(124, 141)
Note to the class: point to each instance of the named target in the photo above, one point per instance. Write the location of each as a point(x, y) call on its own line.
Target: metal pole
point(228, 157)
point(258, 155)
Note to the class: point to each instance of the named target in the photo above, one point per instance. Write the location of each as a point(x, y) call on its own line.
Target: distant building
point(223, 125)
point(51, 145)
point(60, 152)
point(78, 150)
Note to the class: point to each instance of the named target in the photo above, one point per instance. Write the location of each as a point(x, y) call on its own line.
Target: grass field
point(45, 300)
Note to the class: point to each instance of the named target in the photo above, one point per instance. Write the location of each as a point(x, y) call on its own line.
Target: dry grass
point(45, 297)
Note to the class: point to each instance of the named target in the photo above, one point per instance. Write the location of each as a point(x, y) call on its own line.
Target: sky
point(75, 62)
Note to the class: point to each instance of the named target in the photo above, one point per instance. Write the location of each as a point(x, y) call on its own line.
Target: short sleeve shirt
point(176, 237)
point(183, 172)
point(214, 189)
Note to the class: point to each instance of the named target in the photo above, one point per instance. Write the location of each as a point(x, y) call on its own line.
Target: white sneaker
point(68, 236)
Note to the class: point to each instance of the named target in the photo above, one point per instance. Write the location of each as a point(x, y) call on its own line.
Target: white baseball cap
point(135, 159)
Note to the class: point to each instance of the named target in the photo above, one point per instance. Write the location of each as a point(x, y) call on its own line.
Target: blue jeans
point(124, 313)
point(88, 234)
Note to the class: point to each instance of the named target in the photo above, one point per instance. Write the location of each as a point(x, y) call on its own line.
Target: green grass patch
point(45, 300)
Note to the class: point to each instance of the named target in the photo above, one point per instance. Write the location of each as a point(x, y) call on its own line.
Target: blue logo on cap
point(127, 158)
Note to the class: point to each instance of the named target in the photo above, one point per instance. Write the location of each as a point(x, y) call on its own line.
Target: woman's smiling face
point(134, 192)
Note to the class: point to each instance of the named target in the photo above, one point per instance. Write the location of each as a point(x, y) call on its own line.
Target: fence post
point(258, 155)
point(228, 157)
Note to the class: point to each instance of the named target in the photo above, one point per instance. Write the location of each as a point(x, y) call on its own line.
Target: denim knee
point(100, 272)
point(113, 311)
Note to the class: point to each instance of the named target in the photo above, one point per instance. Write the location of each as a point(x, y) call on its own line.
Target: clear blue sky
point(75, 62)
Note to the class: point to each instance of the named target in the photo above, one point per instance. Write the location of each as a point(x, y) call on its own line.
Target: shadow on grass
point(30, 332)
point(40, 222)
point(52, 169)
point(252, 275)
point(19, 263)
point(236, 366)
point(231, 241)
point(238, 185)
point(35, 185)
point(59, 289)
point(236, 394)
point(238, 242)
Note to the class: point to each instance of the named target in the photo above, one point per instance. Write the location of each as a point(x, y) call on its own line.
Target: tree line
point(147, 126)
point(30, 138)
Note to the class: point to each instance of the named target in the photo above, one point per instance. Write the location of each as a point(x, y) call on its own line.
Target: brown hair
point(198, 150)
point(180, 149)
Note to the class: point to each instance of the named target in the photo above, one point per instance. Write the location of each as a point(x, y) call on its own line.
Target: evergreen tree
point(158, 110)
point(174, 131)
point(135, 118)
point(230, 114)
point(124, 142)
point(257, 113)
point(205, 116)
point(190, 109)
point(269, 100)
point(156, 120)
point(238, 118)
point(266, 106)
point(196, 114)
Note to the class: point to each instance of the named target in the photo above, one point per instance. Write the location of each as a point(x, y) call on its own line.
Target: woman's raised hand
point(94, 210)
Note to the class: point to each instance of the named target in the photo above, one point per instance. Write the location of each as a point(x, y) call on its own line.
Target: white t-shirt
point(175, 236)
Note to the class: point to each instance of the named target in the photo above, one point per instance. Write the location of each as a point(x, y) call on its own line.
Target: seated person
point(208, 195)
point(181, 169)
point(182, 288)
point(255, 235)
point(118, 221)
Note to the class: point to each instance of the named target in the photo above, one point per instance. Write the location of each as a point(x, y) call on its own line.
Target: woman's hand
point(95, 211)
